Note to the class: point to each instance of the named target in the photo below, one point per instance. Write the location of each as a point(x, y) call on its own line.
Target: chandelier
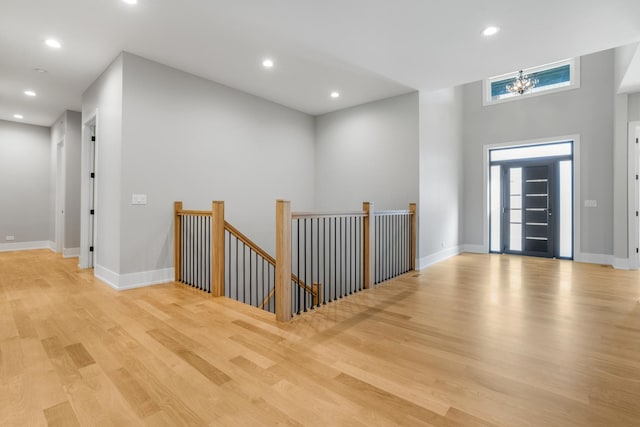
point(522, 84)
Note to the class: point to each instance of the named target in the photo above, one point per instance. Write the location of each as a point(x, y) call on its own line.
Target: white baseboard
point(440, 256)
point(24, 246)
point(621, 264)
point(121, 282)
point(71, 252)
point(474, 249)
point(52, 245)
point(593, 258)
point(146, 278)
point(107, 276)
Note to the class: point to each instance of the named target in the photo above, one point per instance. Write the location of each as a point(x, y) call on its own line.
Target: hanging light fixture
point(522, 84)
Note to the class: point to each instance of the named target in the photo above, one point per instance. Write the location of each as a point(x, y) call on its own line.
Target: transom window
point(555, 77)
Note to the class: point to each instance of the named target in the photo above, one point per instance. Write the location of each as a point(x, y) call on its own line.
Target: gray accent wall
point(441, 183)
point(368, 153)
point(105, 96)
point(24, 182)
point(190, 139)
point(587, 111)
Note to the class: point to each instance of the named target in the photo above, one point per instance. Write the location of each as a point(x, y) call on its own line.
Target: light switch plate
point(138, 199)
point(590, 203)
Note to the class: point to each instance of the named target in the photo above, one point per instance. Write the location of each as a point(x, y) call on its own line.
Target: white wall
point(24, 183)
point(57, 133)
point(626, 109)
point(620, 180)
point(73, 148)
point(634, 107)
point(105, 95)
point(587, 111)
point(67, 128)
point(441, 189)
point(622, 59)
point(368, 153)
point(190, 139)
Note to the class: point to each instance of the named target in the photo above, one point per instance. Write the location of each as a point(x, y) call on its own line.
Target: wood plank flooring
point(477, 340)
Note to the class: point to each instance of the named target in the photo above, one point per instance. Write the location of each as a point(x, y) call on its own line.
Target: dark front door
point(528, 196)
point(538, 227)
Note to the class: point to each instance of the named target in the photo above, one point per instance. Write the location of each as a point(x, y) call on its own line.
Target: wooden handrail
point(184, 212)
point(297, 215)
point(302, 285)
point(244, 239)
point(266, 300)
point(252, 245)
point(393, 212)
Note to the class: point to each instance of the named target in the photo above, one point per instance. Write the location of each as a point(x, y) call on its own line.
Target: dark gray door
point(538, 227)
point(528, 209)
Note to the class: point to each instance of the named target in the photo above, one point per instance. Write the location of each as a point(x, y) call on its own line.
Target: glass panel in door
point(515, 209)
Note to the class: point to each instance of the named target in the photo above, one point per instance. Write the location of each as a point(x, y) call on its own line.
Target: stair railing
point(320, 257)
point(214, 256)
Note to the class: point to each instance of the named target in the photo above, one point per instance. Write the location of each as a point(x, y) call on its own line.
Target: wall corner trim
point(588, 258)
point(621, 264)
point(437, 257)
point(122, 282)
point(70, 252)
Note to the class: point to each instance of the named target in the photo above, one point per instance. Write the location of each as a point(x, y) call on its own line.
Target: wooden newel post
point(283, 261)
point(177, 240)
point(217, 249)
point(368, 242)
point(412, 261)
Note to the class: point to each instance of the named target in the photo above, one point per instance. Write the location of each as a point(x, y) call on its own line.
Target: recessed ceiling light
point(53, 43)
point(18, 116)
point(267, 63)
point(40, 70)
point(335, 94)
point(490, 31)
point(29, 93)
point(130, 1)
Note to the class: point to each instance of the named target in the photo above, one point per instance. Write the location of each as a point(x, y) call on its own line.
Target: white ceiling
point(366, 49)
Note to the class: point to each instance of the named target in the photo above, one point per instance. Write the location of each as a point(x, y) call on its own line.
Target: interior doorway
point(531, 200)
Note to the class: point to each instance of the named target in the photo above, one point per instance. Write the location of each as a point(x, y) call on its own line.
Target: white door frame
point(633, 198)
point(60, 195)
point(86, 258)
point(486, 203)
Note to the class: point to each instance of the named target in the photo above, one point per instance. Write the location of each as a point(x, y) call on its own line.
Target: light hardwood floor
point(477, 340)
